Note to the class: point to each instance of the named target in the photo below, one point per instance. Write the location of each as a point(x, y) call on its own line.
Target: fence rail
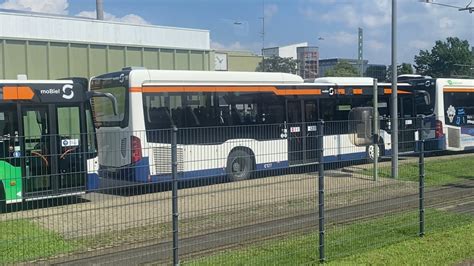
point(301, 192)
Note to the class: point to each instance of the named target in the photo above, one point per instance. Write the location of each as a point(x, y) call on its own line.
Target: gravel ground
point(214, 206)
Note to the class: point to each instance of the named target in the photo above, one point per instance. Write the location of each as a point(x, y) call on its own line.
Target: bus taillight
point(136, 149)
point(439, 129)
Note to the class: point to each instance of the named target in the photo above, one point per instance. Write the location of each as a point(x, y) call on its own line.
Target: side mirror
point(360, 126)
point(424, 95)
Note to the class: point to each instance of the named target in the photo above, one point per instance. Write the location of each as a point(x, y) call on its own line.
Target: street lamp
point(318, 71)
point(394, 99)
point(468, 7)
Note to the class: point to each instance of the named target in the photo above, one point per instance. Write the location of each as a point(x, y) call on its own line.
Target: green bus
point(47, 140)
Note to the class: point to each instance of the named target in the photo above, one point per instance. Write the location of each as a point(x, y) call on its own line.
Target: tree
point(278, 64)
point(342, 69)
point(446, 59)
point(402, 69)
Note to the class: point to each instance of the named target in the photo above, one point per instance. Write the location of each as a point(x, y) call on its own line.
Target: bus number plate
point(312, 128)
point(295, 129)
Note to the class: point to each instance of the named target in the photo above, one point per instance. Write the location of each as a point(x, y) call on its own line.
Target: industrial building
point(307, 56)
point(236, 61)
point(50, 46)
point(378, 71)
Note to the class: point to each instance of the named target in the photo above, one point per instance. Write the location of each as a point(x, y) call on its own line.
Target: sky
point(331, 25)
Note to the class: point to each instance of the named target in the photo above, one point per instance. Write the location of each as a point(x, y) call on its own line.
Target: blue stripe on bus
point(345, 157)
point(92, 181)
point(140, 171)
point(215, 172)
point(467, 131)
point(272, 165)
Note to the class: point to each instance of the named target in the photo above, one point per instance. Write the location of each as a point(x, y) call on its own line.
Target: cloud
point(420, 44)
point(377, 45)
point(232, 46)
point(371, 14)
point(419, 26)
point(270, 10)
point(130, 18)
point(59, 7)
point(239, 27)
point(340, 38)
point(254, 47)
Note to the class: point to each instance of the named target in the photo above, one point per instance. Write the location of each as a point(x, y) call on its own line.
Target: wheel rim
point(238, 167)
point(371, 151)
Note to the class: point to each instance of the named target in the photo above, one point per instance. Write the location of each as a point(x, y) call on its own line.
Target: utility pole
point(394, 100)
point(361, 51)
point(263, 35)
point(100, 9)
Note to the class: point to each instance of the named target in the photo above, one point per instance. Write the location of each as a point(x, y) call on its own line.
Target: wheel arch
point(247, 150)
point(3, 197)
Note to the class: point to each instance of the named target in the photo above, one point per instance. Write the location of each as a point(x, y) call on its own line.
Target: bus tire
point(370, 151)
point(239, 165)
point(3, 203)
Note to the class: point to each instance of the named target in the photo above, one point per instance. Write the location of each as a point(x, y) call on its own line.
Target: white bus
point(450, 114)
point(230, 123)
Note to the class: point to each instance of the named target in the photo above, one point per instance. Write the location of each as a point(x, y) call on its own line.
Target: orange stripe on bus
point(17, 93)
point(136, 89)
point(389, 91)
point(227, 89)
point(356, 91)
point(458, 89)
point(341, 91)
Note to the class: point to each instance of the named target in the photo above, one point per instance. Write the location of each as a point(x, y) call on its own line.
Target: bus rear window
point(459, 108)
point(103, 108)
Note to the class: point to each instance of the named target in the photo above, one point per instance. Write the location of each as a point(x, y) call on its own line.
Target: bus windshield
point(104, 109)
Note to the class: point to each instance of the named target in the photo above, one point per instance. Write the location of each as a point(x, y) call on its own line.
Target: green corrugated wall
point(52, 60)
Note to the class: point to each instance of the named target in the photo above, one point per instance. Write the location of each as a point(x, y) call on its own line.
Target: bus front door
point(36, 152)
point(295, 133)
point(302, 132)
point(50, 149)
point(311, 131)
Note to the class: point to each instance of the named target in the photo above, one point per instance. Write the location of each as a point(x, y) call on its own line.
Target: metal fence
point(284, 193)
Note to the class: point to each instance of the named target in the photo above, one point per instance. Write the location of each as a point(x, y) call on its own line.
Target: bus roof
point(140, 77)
point(455, 82)
point(32, 81)
point(348, 81)
point(43, 91)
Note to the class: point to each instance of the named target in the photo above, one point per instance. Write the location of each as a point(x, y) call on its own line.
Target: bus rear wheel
point(371, 152)
point(239, 165)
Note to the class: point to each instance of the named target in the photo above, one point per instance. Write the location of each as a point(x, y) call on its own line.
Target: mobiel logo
point(50, 91)
point(67, 92)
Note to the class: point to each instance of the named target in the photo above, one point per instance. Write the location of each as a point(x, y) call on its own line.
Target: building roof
point(26, 25)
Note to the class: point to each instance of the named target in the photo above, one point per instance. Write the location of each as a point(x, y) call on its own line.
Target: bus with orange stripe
point(231, 123)
point(449, 119)
point(47, 140)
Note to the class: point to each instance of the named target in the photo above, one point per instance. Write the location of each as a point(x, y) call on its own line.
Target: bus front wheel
point(3, 203)
point(239, 165)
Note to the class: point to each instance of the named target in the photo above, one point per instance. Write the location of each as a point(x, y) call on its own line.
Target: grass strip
point(439, 248)
point(21, 240)
point(344, 241)
point(437, 172)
